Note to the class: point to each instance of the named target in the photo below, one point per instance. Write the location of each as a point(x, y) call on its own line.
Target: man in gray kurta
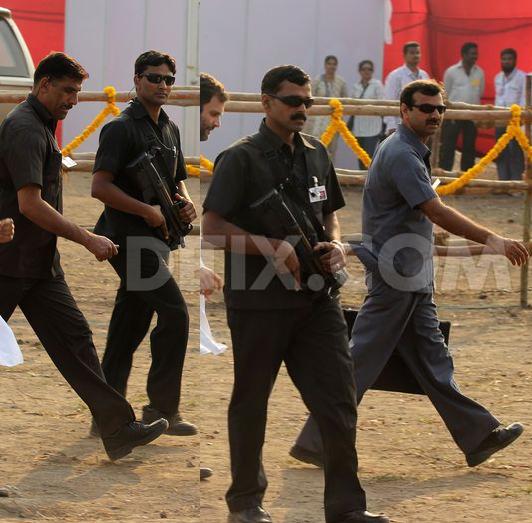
point(399, 209)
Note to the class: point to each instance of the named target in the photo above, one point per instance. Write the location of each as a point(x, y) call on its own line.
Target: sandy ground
point(52, 469)
point(409, 466)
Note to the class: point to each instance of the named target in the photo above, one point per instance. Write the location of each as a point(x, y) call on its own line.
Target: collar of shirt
point(138, 111)
point(42, 112)
point(473, 69)
point(409, 72)
point(412, 139)
point(278, 143)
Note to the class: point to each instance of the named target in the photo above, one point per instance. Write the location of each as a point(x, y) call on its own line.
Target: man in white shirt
point(464, 82)
point(398, 78)
point(510, 89)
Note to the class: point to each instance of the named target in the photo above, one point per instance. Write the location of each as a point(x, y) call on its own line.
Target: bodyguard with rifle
point(139, 175)
point(272, 206)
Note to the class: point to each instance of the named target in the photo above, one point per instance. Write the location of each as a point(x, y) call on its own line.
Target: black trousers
point(450, 131)
point(136, 302)
point(64, 333)
point(313, 343)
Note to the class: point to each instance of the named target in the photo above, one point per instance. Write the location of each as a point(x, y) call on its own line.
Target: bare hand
point(154, 218)
point(285, 261)
point(333, 257)
point(102, 248)
point(7, 230)
point(188, 212)
point(209, 281)
point(514, 250)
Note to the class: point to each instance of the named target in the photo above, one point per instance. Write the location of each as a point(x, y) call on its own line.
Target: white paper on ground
point(10, 354)
point(207, 342)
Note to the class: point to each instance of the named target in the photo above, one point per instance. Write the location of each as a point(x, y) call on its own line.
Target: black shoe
point(250, 515)
point(94, 431)
point(204, 473)
point(306, 456)
point(132, 435)
point(363, 516)
point(498, 439)
point(177, 427)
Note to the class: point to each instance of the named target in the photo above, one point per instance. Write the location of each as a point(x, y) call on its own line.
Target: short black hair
point(509, 50)
point(276, 76)
point(58, 65)
point(330, 57)
point(210, 87)
point(364, 62)
point(410, 45)
point(467, 47)
point(154, 58)
point(426, 87)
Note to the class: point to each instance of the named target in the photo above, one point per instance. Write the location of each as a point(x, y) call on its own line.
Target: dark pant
point(511, 162)
point(450, 131)
point(411, 328)
point(312, 342)
point(369, 144)
point(136, 302)
point(64, 333)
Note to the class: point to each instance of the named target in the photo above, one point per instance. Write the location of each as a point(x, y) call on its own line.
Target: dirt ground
point(409, 466)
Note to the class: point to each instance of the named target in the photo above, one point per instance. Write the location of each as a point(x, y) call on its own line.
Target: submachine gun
point(278, 221)
point(155, 191)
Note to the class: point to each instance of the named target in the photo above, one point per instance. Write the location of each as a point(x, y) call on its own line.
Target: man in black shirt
point(146, 283)
point(270, 320)
point(30, 273)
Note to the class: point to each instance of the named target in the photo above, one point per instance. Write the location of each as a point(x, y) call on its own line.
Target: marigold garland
point(513, 130)
point(110, 108)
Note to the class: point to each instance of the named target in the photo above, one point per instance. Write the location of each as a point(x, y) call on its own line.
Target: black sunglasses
point(155, 78)
point(293, 100)
point(429, 108)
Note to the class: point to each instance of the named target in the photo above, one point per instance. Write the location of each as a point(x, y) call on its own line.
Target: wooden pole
point(528, 200)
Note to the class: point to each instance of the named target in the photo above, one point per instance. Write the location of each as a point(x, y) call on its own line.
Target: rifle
point(155, 191)
point(279, 222)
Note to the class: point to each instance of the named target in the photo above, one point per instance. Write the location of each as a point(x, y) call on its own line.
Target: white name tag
point(317, 194)
point(68, 162)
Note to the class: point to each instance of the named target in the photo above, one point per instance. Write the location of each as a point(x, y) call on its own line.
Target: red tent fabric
point(442, 26)
point(42, 24)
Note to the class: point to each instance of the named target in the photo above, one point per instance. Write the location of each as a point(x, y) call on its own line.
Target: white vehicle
point(16, 65)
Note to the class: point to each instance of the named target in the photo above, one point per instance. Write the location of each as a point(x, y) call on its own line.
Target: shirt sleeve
point(227, 190)
point(181, 170)
point(113, 149)
point(409, 175)
point(448, 82)
point(335, 198)
point(24, 156)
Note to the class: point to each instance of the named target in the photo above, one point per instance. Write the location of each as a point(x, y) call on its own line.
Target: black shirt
point(233, 190)
point(29, 155)
point(123, 140)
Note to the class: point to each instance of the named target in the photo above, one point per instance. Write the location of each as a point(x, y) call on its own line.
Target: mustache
point(433, 121)
point(299, 116)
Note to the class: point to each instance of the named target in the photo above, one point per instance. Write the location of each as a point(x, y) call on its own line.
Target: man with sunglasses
point(273, 314)
point(399, 209)
point(146, 283)
point(31, 276)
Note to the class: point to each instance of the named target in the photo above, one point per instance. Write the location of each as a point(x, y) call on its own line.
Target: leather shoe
point(132, 435)
point(204, 473)
point(498, 439)
point(250, 515)
point(306, 456)
point(176, 425)
point(363, 516)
